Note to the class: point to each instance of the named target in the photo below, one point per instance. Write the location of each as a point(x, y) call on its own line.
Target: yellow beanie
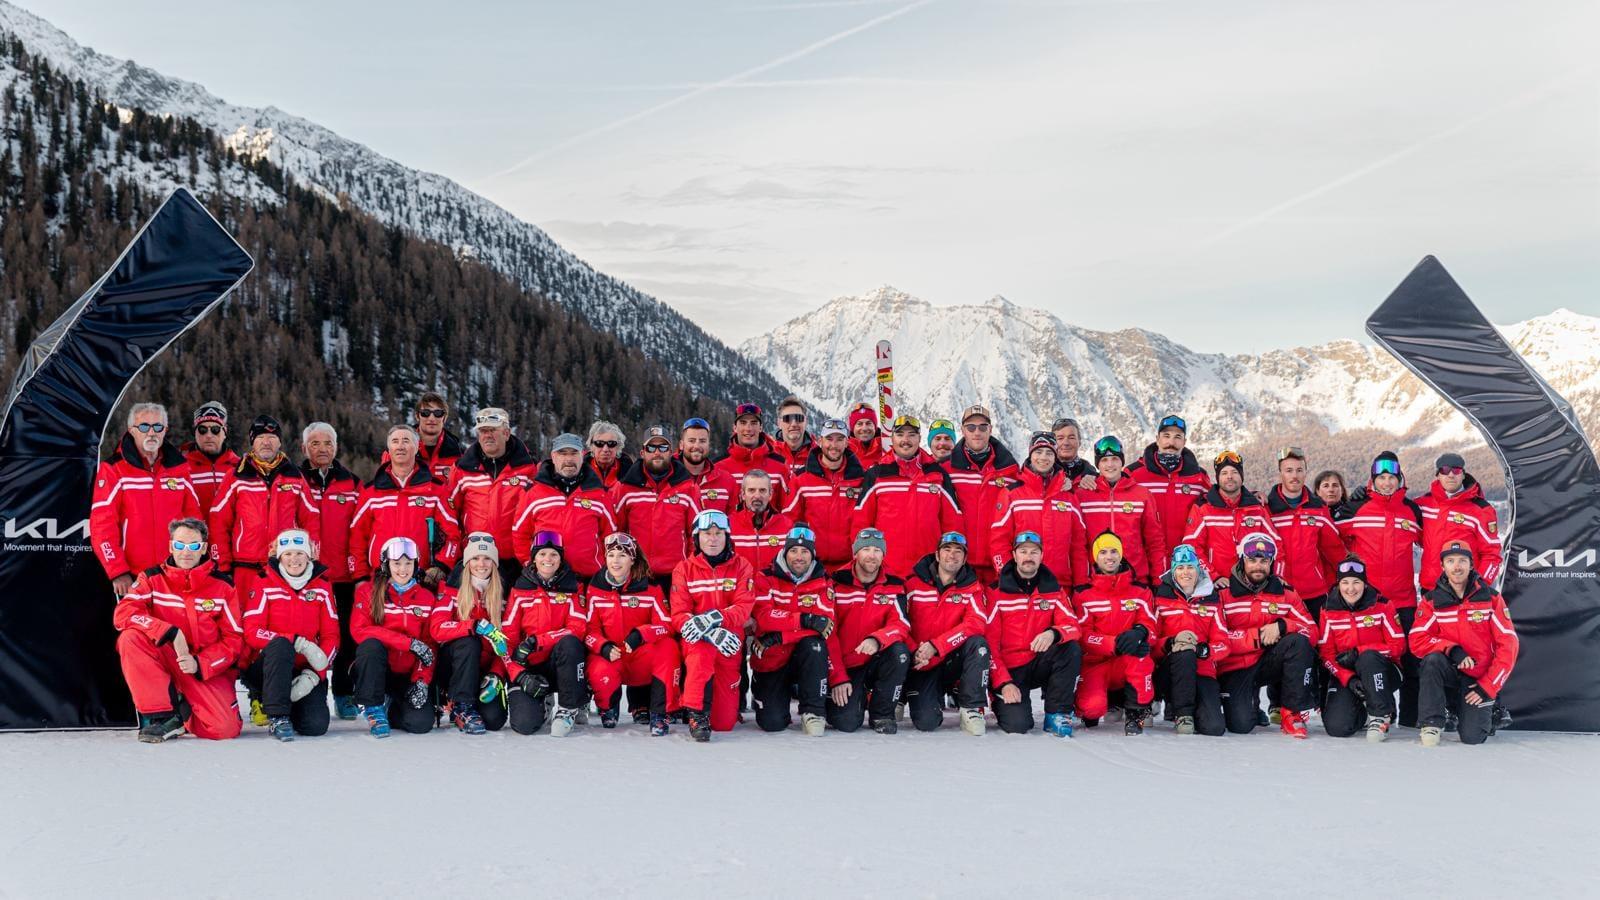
point(1107, 539)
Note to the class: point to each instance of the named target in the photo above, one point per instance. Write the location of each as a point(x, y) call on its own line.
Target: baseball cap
point(566, 441)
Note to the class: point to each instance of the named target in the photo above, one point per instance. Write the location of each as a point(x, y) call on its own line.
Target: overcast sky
point(1238, 175)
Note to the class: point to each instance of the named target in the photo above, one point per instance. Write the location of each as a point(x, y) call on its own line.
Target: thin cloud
point(793, 83)
point(665, 105)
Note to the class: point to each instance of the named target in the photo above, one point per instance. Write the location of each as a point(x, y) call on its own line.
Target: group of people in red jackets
point(823, 575)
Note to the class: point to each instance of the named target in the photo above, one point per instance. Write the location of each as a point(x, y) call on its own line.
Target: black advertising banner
point(58, 658)
point(1553, 531)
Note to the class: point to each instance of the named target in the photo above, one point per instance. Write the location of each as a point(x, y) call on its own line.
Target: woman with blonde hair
point(466, 626)
point(394, 658)
point(291, 624)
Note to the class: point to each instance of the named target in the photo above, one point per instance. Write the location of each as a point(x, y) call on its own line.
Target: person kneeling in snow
point(867, 655)
point(1033, 642)
point(629, 638)
point(1467, 647)
point(472, 649)
point(545, 625)
point(713, 593)
point(393, 668)
point(794, 619)
point(178, 653)
point(1190, 640)
point(1269, 641)
point(949, 610)
point(1360, 646)
point(290, 621)
point(1117, 625)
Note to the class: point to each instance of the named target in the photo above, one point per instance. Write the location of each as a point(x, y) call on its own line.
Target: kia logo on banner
point(1558, 563)
point(46, 530)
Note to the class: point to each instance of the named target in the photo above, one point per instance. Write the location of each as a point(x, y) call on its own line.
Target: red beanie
point(862, 412)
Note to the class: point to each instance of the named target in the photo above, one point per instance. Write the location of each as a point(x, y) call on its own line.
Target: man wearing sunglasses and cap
point(825, 494)
point(1468, 647)
point(717, 488)
point(867, 654)
point(949, 611)
point(751, 448)
point(1042, 501)
point(566, 497)
point(909, 498)
point(1384, 528)
point(713, 595)
point(794, 445)
point(488, 482)
point(1454, 512)
point(866, 438)
point(209, 458)
point(656, 502)
point(1269, 641)
point(1169, 471)
point(1224, 515)
point(1112, 501)
point(142, 487)
point(1033, 634)
point(1309, 547)
point(981, 468)
point(263, 496)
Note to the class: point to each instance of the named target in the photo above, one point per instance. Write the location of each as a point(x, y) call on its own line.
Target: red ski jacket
point(780, 602)
point(547, 610)
point(1217, 525)
point(795, 459)
point(1383, 531)
point(1200, 613)
point(826, 500)
point(1019, 611)
point(1108, 606)
point(912, 502)
point(416, 510)
point(658, 513)
point(1247, 607)
point(1309, 548)
point(134, 503)
point(760, 544)
point(1175, 491)
point(1479, 624)
point(485, 493)
point(1465, 519)
point(609, 477)
point(438, 459)
point(335, 496)
point(699, 585)
point(206, 474)
point(871, 453)
point(862, 611)
point(1371, 624)
point(615, 612)
point(200, 603)
point(738, 460)
point(275, 609)
point(1127, 510)
point(1047, 506)
point(405, 617)
point(582, 516)
point(944, 615)
point(251, 510)
point(717, 488)
point(978, 488)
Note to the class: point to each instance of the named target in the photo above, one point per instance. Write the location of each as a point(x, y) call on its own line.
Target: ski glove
point(533, 684)
point(769, 639)
point(1357, 688)
point(634, 640)
point(302, 685)
point(1130, 642)
point(820, 624)
point(726, 642)
point(696, 628)
point(423, 652)
point(1347, 659)
point(313, 654)
point(417, 694)
point(528, 647)
point(495, 637)
point(1456, 654)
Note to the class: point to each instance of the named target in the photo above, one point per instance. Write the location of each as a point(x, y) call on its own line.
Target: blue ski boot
point(1058, 724)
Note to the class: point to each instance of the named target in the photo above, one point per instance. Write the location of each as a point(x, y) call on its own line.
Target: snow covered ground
point(917, 815)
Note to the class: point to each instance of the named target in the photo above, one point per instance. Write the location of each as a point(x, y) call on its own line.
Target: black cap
point(1449, 460)
point(265, 425)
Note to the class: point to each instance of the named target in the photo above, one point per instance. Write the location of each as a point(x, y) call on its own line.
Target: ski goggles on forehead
point(547, 539)
point(1352, 567)
point(907, 422)
point(802, 532)
point(188, 545)
point(696, 422)
point(746, 409)
point(711, 518)
point(1386, 467)
point(1291, 453)
point(1173, 422)
point(400, 548)
point(1108, 445)
point(952, 537)
point(1027, 537)
point(1227, 456)
point(941, 425)
point(621, 540)
point(1258, 548)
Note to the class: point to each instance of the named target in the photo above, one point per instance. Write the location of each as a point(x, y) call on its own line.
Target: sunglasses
point(658, 447)
point(1227, 456)
point(1173, 422)
point(1451, 470)
point(147, 427)
point(209, 429)
point(696, 422)
point(1386, 467)
point(621, 540)
point(605, 445)
point(430, 413)
point(295, 541)
point(1352, 567)
point(976, 427)
point(180, 545)
point(1291, 453)
point(1027, 537)
point(952, 537)
point(793, 418)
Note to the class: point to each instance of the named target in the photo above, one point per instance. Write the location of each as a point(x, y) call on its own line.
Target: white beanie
point(480, 543)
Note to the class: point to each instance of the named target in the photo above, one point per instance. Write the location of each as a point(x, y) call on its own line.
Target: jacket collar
point(999, 458)
point(636, 476)
point(516, 455)
point(127, 451)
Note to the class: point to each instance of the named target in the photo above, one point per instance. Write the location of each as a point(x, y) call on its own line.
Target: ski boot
point(377, 720)
point(640, 717)
point(813, 725)
point(699, 726)
point(1186, 724)
point(1292, 723)
point(464, 714)
point(1430, 735)
point(280, 728)
point(658, 725)
point(562, 723)
point(1377, 729)
point(344, 706)
point(885, 726)
point(157, 727)
point(258, 716)
point(972, 721)
point(1058, 724)
point(609, 717)
point(1133, 720)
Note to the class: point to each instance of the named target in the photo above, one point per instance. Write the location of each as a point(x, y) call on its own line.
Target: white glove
point(313, 654)
point(699, 626)
point(302, 685)
point(726, 642)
